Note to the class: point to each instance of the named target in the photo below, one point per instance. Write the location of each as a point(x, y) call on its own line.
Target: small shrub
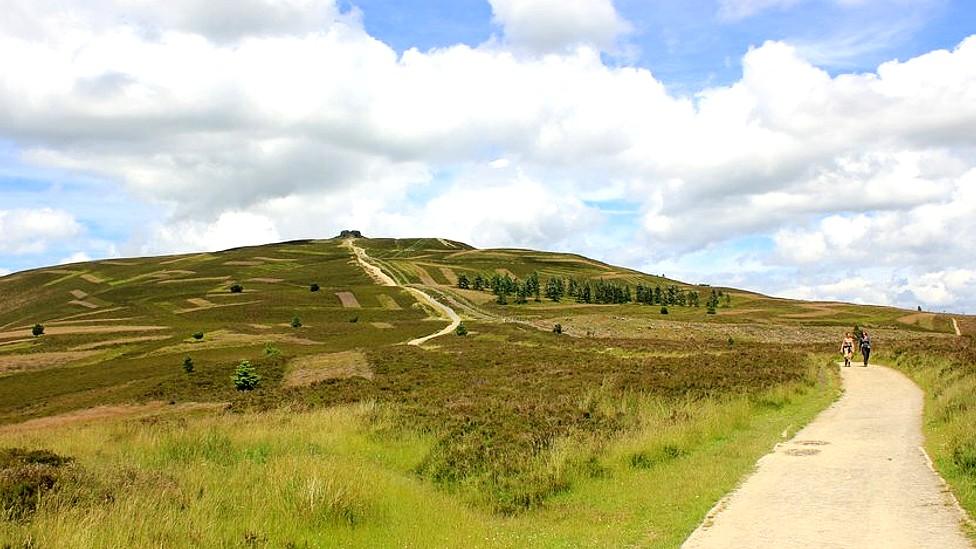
point(236, 288)
point(246, 378)
point(37, 330)
point(188, 365)
point(557, 329)
point(296, 322)
point(461, 330)
point(198, 335)
point(664, 310)
point(731, 341)
point(272, 352)
point(354, 320)
point(964, 456)
point(25, 475)
point(314, 287)
point(711, 310)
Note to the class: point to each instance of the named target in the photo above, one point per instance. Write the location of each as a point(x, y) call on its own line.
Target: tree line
point(508, 289)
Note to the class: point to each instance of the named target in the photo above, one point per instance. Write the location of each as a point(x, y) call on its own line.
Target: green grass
point(946, 370)
point(347, 476)
point(621, 432)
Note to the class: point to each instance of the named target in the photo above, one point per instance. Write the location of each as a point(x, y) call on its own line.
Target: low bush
point(198, 335)
point(236, 288)
point(461, 330)
point(37, 330)
point(313, 287)
point(188, 365)
point(25, 475)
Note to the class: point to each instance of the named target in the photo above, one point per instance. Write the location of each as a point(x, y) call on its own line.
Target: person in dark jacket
point(865, 347)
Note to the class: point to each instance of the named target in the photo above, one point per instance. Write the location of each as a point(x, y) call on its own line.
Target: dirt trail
point(382, 278)
point(955, 326)
point(855, 477)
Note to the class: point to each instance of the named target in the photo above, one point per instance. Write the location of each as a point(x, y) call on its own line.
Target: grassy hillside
point(622, 430)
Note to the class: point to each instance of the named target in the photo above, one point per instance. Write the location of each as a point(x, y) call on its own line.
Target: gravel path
point(383, 279)
point(855, 477)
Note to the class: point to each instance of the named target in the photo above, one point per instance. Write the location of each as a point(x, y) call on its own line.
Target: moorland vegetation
point(571, 412)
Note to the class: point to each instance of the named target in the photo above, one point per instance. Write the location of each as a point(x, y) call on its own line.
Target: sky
point(815, 149)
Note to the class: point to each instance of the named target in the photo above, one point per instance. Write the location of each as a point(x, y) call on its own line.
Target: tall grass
point(348, 476)
point(946, 370)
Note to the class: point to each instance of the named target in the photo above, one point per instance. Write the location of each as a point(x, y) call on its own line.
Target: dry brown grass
point(816, 310)
point(218, 339)
point(424, 276)
point(266, 280)
point(382, 325)
point(102, 413)
point(186, 258)
point(926, 320)
point(70, 330)
point(79, 294)
point(348, 300)
point(120, 341)
point(388, 302)
point(213, 306)
point(94, 279)
point(243, 263)
point(10, 364)
point(276, 259)
point(83, 315)
point(198, 279)
point(450, 275)
point(475, 296)
point(314, 368)
point(85, 304)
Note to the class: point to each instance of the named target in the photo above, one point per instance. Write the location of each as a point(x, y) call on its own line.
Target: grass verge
point(946, 370)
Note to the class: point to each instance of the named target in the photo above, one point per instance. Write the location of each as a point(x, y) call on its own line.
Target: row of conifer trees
point(510, 289)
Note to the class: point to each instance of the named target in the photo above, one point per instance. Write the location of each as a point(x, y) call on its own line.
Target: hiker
point(847, 349)
point(865, 347)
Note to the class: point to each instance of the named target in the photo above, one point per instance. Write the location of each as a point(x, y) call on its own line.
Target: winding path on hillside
point(383, 279)
point(955, 326)
point(854, 477)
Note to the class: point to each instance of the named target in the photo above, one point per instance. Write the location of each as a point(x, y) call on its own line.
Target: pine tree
point(246, 377)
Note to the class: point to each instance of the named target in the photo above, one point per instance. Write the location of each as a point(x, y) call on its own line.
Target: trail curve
point(856, 476)
point(384, 279)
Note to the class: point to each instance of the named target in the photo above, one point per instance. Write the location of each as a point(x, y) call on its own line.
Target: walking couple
point(847, 347)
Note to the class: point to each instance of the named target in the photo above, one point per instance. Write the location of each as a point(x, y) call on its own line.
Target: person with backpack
point(865, 347)
point(847, 348)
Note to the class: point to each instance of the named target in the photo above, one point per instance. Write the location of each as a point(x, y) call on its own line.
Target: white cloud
point(24, 231)
point(300, 126)
point(544, 26)
point(77, 257)
point(740, 9)
point(229, 230)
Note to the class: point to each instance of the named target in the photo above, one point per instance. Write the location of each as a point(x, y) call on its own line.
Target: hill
point(504, 431)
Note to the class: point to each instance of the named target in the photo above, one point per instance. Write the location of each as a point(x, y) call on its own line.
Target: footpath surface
point(855, 477)
point(383, 279)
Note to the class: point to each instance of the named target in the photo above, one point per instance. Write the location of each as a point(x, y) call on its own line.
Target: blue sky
point(706, 139)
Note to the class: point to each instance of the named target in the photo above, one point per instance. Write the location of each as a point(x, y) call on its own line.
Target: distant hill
point(135, 317)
